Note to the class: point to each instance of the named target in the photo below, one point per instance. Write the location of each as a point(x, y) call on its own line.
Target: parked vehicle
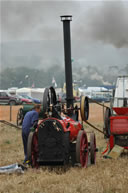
point(101, 98)
point(37, 101)
point(6, 98)
point(62, 98)
point(77, 99)
point(24, 100)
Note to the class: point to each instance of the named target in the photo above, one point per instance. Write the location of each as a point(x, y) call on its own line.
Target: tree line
point(40, 78)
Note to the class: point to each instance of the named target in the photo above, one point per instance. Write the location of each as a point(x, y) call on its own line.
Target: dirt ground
point(10, 114)
point(107, 176)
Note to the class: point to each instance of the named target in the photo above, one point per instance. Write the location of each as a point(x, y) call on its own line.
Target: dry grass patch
point(107, 176)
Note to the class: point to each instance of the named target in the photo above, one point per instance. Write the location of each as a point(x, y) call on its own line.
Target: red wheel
point(34, 153)
point(82, 149)
point(32, 149)
point(93, 148)
point(29, 146)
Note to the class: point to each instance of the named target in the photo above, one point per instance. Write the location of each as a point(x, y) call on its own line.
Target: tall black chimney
point(68, 64)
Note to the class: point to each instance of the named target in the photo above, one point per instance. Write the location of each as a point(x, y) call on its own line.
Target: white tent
point(12, 90)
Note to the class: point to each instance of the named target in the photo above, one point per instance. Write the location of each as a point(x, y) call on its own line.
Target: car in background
point(62, 98)
point(37, 101)
point(24, 100)
point(77, 99)
point(100, 98)
point(6, 98)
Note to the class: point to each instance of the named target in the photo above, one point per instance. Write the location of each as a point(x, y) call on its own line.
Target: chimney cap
point(66, 18)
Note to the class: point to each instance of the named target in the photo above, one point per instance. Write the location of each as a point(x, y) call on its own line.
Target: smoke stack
point(68, 65)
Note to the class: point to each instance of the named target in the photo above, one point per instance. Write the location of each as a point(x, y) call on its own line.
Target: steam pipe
point(68, 65)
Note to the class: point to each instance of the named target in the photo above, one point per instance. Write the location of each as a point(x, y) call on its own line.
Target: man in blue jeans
point(30, 119)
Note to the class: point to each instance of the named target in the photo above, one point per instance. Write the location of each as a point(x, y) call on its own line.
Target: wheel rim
point(29, 146)
point(12, 103)
point(84, 108)
point(84, 150)
point(93, 148)
point(34, 153)
point(53, 96)
point(49, 98)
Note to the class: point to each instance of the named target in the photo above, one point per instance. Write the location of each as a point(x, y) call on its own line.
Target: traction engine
point(60, 138)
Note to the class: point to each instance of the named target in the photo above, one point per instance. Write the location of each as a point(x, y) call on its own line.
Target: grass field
point(107, 176)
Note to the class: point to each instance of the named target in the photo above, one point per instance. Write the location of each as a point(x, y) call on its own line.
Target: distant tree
point(24, 77)
point(16, 77)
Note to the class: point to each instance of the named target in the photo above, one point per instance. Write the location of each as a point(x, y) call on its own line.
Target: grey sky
point(31, 33)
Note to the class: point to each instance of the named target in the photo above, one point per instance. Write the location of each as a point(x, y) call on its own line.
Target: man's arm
point(34, 120)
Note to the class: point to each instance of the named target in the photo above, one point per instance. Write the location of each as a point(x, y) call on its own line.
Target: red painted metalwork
point(118, 128)
point(34, 154)
point(106, 150)
point(74, 127)
point(121, 110)
point(111, 141)
point(84, 150)
point(119, 125)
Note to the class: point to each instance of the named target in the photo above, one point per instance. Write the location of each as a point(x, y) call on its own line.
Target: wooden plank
point(115, 152)
point(9, 124)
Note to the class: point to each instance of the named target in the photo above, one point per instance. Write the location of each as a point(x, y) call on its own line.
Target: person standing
point(30, 120)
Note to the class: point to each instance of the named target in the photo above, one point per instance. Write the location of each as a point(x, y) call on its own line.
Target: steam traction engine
point(60, 137)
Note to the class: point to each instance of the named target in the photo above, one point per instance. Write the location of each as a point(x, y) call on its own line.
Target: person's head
point(37, 108)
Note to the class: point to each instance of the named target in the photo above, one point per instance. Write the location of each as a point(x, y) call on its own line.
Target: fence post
point(10, 112)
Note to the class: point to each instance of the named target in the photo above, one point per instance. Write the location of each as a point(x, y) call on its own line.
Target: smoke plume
point(106, 22)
